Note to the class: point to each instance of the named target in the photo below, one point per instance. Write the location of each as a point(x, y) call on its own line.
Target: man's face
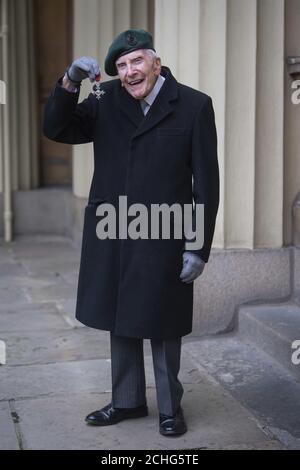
point(138, 72)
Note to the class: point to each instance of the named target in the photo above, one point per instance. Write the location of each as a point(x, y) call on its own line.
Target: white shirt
point(147, 102)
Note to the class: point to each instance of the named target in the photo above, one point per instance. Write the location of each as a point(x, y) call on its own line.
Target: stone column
point(22, 92)
point(269, 125)
point(240, 124)
point(212, 80)
point(139, 14)
point(86, 34)
point(167, 33)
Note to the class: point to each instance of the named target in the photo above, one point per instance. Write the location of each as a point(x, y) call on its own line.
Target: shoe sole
point(172, 433)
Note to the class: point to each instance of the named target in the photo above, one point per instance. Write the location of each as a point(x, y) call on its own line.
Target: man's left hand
point(193, 266)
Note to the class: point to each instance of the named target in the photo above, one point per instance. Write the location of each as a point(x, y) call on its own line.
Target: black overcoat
point(132, 287)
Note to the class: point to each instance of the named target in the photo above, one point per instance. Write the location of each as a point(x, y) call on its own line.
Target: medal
point(96, 88)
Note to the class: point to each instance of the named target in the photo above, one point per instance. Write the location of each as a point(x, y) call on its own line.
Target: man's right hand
point(84, 67)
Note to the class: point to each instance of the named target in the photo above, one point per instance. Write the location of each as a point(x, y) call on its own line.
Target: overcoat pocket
point(163, 131)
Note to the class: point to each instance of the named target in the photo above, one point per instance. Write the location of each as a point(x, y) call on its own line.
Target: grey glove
point(193, 266)
point(84, 67)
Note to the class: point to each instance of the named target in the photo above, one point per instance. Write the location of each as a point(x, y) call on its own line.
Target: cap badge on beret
point(131, 39)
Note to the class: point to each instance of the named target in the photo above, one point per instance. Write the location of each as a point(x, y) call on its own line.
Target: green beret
point(128, 41)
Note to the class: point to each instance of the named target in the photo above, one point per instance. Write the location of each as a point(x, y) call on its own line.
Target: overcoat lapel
point(160, 109)
point(129, 106)
point(163, 104)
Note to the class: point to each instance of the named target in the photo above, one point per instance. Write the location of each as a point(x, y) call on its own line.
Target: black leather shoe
point(110, 415)
point(172, 425)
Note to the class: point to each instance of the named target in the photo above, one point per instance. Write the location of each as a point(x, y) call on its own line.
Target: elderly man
point(155, 143)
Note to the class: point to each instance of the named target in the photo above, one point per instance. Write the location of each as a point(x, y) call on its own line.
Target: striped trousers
point(128, 373)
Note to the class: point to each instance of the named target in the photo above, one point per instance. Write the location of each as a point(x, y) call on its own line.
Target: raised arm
point(65, 120)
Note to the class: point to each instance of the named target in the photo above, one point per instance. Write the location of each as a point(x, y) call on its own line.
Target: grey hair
point(151, 53)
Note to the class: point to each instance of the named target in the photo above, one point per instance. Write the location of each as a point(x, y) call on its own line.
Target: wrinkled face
point(138, 72)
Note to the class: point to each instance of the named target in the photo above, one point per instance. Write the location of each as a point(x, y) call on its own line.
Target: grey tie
point(144, 106)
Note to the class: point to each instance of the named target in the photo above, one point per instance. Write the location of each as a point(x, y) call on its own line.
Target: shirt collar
point(155, 90)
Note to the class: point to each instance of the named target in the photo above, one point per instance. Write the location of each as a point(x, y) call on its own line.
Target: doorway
point(53, 39)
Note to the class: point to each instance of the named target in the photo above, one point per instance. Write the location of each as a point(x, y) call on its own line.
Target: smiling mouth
point(136, 82)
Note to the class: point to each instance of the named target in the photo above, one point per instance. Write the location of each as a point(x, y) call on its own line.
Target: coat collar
point(161, 107)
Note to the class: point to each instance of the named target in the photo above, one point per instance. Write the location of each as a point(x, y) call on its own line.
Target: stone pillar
point(122, 15)
point(23, 114)
point(86, 32)
point(240, 124)
point(269, 124)
point(212, 80)
point(167, 33)
point(140, 14)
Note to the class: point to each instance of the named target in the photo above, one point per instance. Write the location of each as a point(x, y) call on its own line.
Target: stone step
point(260, 384)
point(275, 329)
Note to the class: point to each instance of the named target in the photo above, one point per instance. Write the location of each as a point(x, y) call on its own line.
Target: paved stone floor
point(57, 370)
